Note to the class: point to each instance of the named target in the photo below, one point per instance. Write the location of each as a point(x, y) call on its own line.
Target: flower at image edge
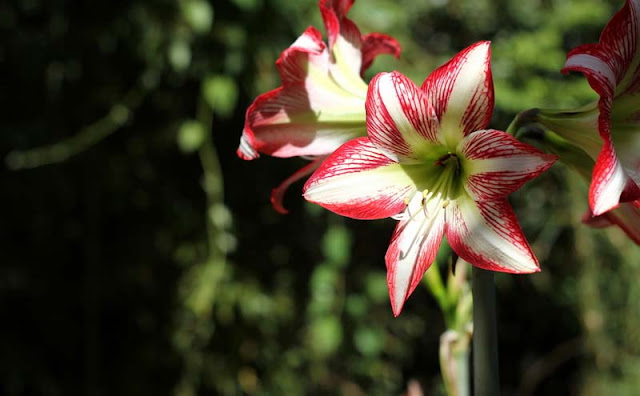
point(612, 69)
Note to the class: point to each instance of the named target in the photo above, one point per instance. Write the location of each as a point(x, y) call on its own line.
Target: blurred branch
point(199, 286)
point(89, 136)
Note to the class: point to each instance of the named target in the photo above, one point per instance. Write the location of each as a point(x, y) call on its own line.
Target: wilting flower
point(320, 104)
point(429, 162)
point(609, 130)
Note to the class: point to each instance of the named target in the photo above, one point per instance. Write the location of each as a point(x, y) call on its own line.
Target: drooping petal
point(374, 44)
point(626, 216)
point(413, 249)
point(496, 164)
point(400, 119)
point(461, 91)
point(300, 120)
point(359, 181)
point(277, 194)
point(487, 235)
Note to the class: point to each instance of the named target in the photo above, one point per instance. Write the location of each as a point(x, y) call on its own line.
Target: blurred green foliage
point(145, 257)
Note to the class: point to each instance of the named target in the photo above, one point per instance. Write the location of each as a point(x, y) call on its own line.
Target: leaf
point(190, 136)
point(221, 94)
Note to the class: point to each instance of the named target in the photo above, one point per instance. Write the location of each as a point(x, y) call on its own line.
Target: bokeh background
point(140, 256)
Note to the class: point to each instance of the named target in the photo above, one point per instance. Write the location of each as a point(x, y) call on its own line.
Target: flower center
point(438, 189)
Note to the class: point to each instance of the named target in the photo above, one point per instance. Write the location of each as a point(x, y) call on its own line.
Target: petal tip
point(396, 306)
point(246, 149)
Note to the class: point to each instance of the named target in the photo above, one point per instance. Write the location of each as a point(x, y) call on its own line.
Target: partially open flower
point(609, 130)
point(429, 162)
point(320, 104)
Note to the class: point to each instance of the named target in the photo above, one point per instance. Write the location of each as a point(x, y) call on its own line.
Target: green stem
point(454, 361)
point(522, 118)
point(485, 339)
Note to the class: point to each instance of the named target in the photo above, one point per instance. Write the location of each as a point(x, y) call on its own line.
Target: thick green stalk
point(486, 380)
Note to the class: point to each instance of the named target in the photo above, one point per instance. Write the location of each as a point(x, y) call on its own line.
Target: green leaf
point(199, 15)
point(190, 136)
point(356, 305)
point(336, 245)
point(376, 286)
point(325, 336)
point(221, 94)
point(248, 5)
point(369, 341)
point(180, 55)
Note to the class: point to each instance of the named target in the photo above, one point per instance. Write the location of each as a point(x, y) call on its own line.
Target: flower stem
point(521, 119)
point(485, 339)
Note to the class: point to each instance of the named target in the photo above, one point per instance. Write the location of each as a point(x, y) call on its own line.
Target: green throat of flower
point(439, 181)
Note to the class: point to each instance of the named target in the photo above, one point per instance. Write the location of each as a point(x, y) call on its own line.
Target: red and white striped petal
point(301, 120)
point(277, 194)
point(461, 91)
point(360, 182)
point(612, 63)
point(374, 44)
point(610, 183)
point(400, 119)
point(626, 216)
point(413, 249)
point(487, 235)
point(496, 164)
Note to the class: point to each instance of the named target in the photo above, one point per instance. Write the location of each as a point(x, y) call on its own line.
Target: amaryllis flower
point(609, 130)
point(429, 162)
point(320, 104)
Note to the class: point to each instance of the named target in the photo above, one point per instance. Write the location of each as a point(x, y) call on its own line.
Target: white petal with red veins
point(462, 92)
point(413, 247)
point(359, 181)
point(400, 120)
point(487, 234)
point(496, 164)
